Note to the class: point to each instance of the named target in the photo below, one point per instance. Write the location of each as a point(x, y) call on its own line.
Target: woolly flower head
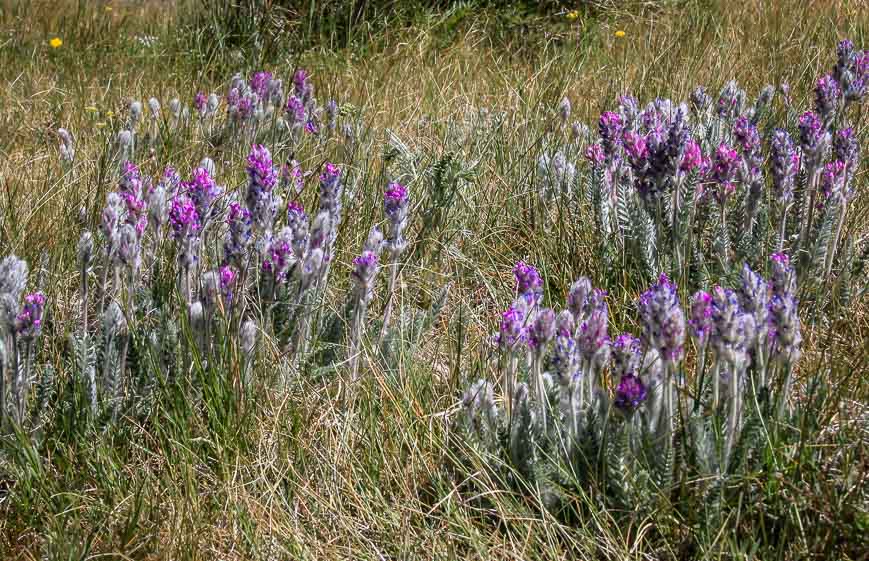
point(28, 324)
point(630, 393)
point(528, 282)
point(663, 319)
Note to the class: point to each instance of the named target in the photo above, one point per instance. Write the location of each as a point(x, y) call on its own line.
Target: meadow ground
point(312, 465)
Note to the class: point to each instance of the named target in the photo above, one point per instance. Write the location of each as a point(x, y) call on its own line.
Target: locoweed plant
point(630, 420)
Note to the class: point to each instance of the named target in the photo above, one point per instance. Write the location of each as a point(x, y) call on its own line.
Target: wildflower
point(511, 330)
point(238, 234)
point(203, 191)
point(578, 130)
point(200, 103)
point(630, 393)
point(91, 109)
point(619, 34)
point(564, 110)
point(279, 255)
point(847, 149)
point(626, 354)
point(213, 103)
point(395, 202)
point(365, 268)
point(700, 100)
point(183, 218)
point(564, 355)
point(692, 157)
point(592, 339)
point(67, 147)
point(297, 221)
point(663, 319)
point(813, 139)
point(610, 128)
point(529, 285)
point(725, 164)
point(330, 200)
point(259, 82)
point(754, 299)
point(733, 331)
point(577, 298)
point(28, 324)
point(262, 178)
point(785, 163)
point(295, 111)
point(782, 278)
point(701, 317)
point(135, 112)
point(784, 329)
point(542, 331)
point(827, 95)
point(730, 101)
point(154, 107)
point(833, 179)
point(594, 154)
point(572, 15)
point(55, 42)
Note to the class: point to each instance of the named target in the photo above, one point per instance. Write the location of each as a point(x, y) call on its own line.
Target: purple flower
point(846, 149)
point(733, 331)
point(785, 162)
point(592, 339)
point(725, 165)
point(746, 134)
point(827, 95)
point(784, 329)
point(700, 100)
point(259, 82)
point(292, 177)
point(511, 330)
point(542, 331)
point(528, 282)
point(610, 129)
point(754, 297)
point(279, 255)
point(260, 199)
point(833, 180)
point(594, 154)
point(183, 218)
point(782, 279)
point(395, 199)
point(364, 269)
point(630, 393)
point(395, 202)
point(563, 360)
point(813, 139)
point(238, 234)
point(663, 319)
point(295, 111)
point(28, 323)
point(635, 146)
point(200, 102)
point(730, 101)
point(227, 281)
point(300, 83)
point(692, 157)
point(577, 298)
point(203, 191)
point(626, 354)
point(701, 317)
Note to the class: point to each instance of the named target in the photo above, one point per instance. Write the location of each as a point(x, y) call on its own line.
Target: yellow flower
point(55, 42)
point(91, 109)
point(572, 15)
point(620, 33)
point(108, 8)
point(99, 125)
point(110, 114)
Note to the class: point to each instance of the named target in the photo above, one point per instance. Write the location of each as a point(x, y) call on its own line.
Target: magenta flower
point(630, 393)
point(528, 282)
point(28, 323)
point(594, 154)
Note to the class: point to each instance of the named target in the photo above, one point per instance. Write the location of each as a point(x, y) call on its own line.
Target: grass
point(302, 471)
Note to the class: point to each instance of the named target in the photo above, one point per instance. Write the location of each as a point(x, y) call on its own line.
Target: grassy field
point(458, 104)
